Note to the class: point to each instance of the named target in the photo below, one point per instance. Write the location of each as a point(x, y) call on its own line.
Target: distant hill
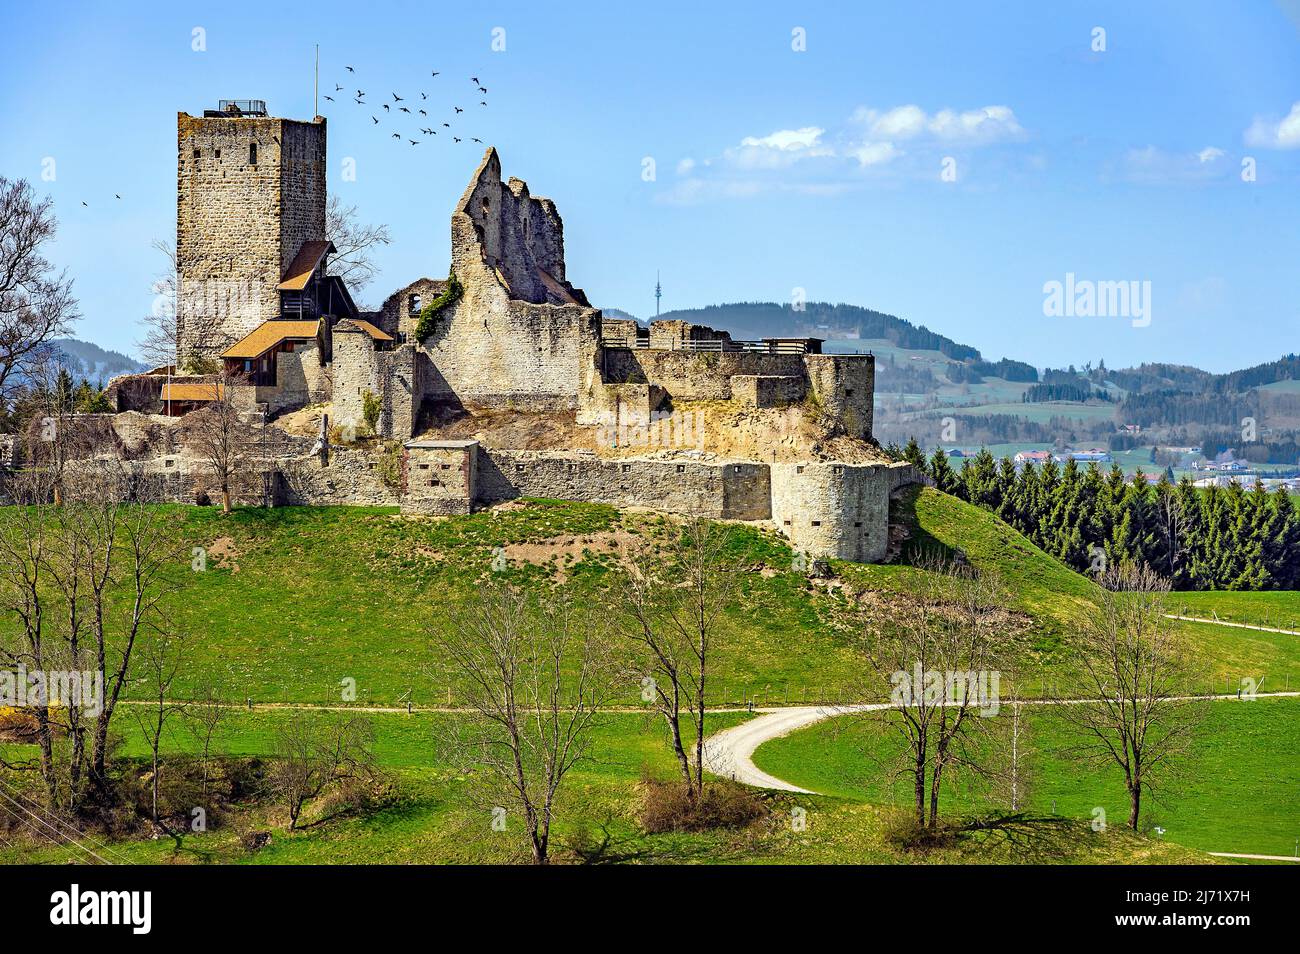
point(85, 359)
point(817, 319)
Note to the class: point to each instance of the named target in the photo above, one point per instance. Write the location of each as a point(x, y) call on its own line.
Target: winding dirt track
point(729, 753)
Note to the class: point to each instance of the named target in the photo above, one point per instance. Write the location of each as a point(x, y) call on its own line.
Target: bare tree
point(1131, 705)
point(535, 676)
point(673, 601)
point(160, 659)
point(157, 343)
point(217, 433)
point(314, 753)
point(205, 715)
point(355, 244)
point(36, 303)
point(941, 652)
point(25, 539)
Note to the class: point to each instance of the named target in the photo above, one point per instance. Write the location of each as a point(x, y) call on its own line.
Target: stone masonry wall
point(735, 490)
point(844, 386)
point(839, 511)
point(767, 390)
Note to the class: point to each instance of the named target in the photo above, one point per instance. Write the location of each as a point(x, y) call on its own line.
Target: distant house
point(1032, 457)
point(1094, 455)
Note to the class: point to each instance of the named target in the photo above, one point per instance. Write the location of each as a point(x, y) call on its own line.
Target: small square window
point(837, 470)
point(169, 463)
point(857, 523)
point(785, 523)
point(848, 392)
point(627, 468)
point(196, 153)
point(681, 468)
point(799, 469)
point(735, 469)
point(218, 153)
point(519, 468)
point(816, 523)
point(424, 467)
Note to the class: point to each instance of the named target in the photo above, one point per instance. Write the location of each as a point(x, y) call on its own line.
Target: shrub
point(723, 804)
point(429, 313)
point(389, 465)
point(196, 363)
point(371, 408)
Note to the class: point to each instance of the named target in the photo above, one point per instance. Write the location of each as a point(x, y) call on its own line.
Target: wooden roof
point(268, 335)
point(189, 391)
point(360, 324)
point(304, 264)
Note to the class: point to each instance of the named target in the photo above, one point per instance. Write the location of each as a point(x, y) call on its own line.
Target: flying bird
point(375, 121)
point(476, 139)
point(414, 142)
point(396, 98)
point(474, 80)
point(84, 203)
point(482, 102)
point(455, 139)
point(403, 109)
point(397, 135)
point(482, 89)
point(434, 73)
point(448, 125)
point(458, 109)
point(423, 113)
point(337, 87)
point(350, 69)
point(330, 98)
point(386, 109)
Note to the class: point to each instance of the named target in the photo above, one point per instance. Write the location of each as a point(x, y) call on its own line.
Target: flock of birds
point(399, 104)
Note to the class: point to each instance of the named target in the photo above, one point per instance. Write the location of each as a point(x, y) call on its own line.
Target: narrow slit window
point(252, 153)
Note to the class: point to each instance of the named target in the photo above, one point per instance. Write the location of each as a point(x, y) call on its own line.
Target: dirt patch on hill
point(563, 552)
point(222, 552)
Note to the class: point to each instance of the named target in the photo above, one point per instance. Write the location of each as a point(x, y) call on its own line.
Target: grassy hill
point(1236, 792)
point(295, 600)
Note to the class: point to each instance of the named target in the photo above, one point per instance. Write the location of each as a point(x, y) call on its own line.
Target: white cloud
point(805, 137)
point(873, 153)
point(1151, 165)
point(812, 160)
point(1276, 134)
point(984, 125)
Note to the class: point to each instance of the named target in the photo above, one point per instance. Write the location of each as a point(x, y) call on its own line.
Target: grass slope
point(1238, 791)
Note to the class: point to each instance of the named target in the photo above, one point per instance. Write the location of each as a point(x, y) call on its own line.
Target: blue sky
point(775, 168)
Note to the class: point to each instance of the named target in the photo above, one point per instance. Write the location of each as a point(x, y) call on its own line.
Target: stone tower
point(250, 191)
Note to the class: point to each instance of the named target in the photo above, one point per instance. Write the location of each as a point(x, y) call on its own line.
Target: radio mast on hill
point(659, 293)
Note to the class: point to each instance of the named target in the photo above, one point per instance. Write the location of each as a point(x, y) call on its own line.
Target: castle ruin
point(456, 370)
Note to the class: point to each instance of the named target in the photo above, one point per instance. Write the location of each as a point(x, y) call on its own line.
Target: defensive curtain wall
point(825, 509)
